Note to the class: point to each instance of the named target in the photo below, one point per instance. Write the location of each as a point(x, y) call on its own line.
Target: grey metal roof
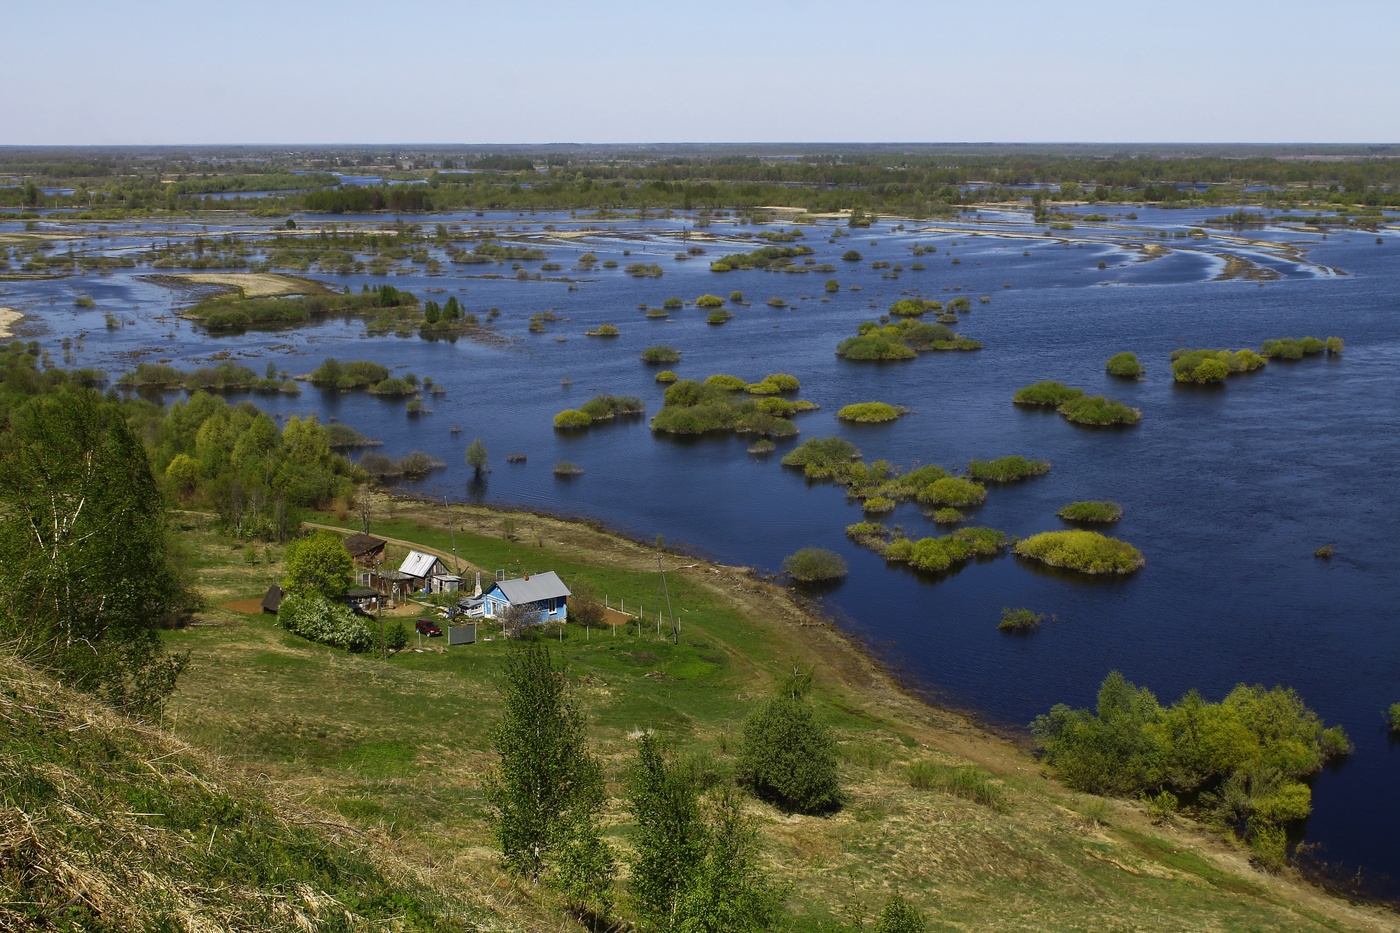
point(418, 564)
point(534, 588)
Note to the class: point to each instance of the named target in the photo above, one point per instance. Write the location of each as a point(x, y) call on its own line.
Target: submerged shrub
point(1124, 365)
point(948, 516)
point(878, 505)
point(666, 376)
point(954, 491)
point(1089, 511)
point(1019, 620)
point(661, 354)
point(1097, 410)
point(1048, 392)
point(602, 330)
point(870, 412)
point(571, 418)
point(814, 565)
point(1084, 551)
point(821, 455)
point(709, 301)
point(1006, 469)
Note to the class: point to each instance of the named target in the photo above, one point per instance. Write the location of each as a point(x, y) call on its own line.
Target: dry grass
point(252, 284)
point(400, 749)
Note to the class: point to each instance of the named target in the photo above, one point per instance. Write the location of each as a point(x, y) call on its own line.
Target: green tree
point(694, 871)
point(87, 576)
point(547, 791)
point(476, 457)
point(899, 916)
point(318, 565)
point(788, 756)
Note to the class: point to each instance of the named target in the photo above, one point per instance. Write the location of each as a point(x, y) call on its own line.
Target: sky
point(107, 72)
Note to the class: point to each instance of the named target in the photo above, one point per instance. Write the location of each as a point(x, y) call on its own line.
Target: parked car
point(428, 627)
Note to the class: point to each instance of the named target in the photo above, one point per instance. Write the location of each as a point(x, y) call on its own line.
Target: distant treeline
point(919, 182)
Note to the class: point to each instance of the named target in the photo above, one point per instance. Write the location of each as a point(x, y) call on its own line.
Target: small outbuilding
point(365, 550)
point(272, 602)
point(543, 594)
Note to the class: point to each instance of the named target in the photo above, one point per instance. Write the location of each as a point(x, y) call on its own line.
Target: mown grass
point(404, 743)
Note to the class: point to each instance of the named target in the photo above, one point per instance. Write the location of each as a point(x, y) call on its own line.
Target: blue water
point(1226, 490)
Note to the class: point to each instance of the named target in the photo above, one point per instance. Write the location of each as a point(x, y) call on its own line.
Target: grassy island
point(1048, 393)
point(1007, 469)
point(1089, 511)
point(953, 491)
point(1083, 551)
point(871, 412)
point(768, 257)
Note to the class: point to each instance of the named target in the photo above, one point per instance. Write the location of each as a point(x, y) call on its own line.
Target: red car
point(428, 627)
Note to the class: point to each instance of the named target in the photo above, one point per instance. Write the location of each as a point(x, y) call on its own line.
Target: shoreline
point(858, 681)
point(8, 318)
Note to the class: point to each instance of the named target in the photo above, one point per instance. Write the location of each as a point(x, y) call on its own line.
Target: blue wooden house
point(544, 594)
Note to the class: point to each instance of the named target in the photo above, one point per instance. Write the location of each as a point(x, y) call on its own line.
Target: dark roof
point(360, 592)
point(361, 544)
point(273, 600)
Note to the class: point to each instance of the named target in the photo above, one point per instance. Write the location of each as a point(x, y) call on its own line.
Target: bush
point(661, 354)
point(832, 285)
point(674, 303)
point(954, 491)
point(1049, 393)
point(1393, 716)
point(666, 377)
point(774, 384)
point(878, 505)
point(1006, 469)
point(727, 382)
point(899, 916)
point(870, 412)
point(819, 456)
point(566, 469)
point(602, 330)
point(1124, 365)
point(789, 757)
point(851, 255)
point(317, 619)
point(1019, 620)
point(1334, 346)
point(1083, 551)
point(571, 419)
point(1097, 410)
point(1091, 512)
point(948, 516)
point(709, 301)
point(718, 316)
point(815, 565)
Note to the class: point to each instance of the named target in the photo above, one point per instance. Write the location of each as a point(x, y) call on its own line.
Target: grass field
point(401, 746)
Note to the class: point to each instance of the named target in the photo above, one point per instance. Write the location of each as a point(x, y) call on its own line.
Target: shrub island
point(722, 403)
point(1083, 551)
point(1205, 367)
point(1019, 620)
point(768, 257)
point(901, 340)
point(1124, 365)
point(661, 354)
point(814, 565)
point(1098, 410)
point(599, 408)
point(937, 555)
point(666, 376)
point(871, 412)
point(1048, 393)
point(1089, 511)
point(913, 307)
point(602, 330)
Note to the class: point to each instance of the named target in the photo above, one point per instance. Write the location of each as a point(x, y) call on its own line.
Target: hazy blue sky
point(459, 71)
